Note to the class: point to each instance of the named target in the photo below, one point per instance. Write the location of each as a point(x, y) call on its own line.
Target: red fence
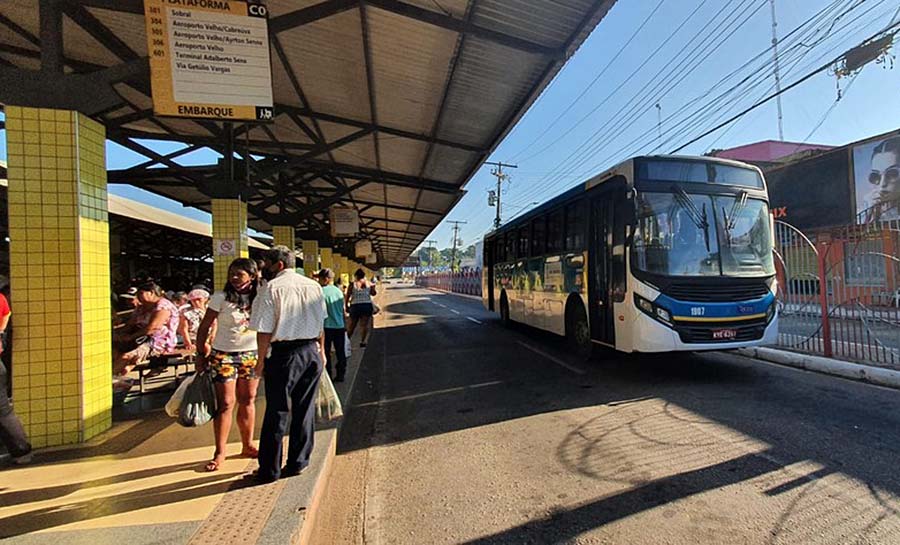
point(466, 282)
point(839, 294)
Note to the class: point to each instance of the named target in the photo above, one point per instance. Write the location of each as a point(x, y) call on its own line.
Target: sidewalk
point(830, 366)
point(143, 482)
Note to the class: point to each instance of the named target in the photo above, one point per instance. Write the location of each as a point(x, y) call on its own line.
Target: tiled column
point(336, 262)
point(59, 265)
point(310, 257)
point(229, 230)
point(346, 272)
point(327, 258)
point(284, 235)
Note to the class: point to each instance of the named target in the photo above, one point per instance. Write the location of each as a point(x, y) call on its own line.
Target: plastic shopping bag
point(328, 405)
point(347, 348)
point(199, 404)
point(174, 403)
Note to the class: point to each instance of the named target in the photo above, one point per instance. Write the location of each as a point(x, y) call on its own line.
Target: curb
point(296, 510)
point(830, 366)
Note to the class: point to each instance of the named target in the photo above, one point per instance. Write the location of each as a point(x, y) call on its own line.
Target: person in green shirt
point(335, 332)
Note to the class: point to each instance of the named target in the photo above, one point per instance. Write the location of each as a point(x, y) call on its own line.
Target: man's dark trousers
point(335, 337)
point(292, 381)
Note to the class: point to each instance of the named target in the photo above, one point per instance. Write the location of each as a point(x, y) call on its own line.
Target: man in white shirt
point(288, 316)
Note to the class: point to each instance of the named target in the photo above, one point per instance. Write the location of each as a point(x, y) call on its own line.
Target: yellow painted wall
point(284, 235)
point(310, 257)
point(229, 226)
point(59, 254)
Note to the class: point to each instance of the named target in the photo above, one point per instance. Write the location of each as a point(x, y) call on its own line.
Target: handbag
point(199, 404)
point(328, 404)
point(348, 350)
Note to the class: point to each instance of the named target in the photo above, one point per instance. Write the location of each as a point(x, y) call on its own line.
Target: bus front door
point(599, 256)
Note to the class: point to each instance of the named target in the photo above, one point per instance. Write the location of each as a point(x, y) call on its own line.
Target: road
point(459, 431)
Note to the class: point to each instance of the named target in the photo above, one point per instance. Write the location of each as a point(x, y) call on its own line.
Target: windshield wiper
point(698, 217)
point(730, 219)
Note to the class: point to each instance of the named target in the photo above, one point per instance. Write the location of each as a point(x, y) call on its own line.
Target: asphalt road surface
point(460, 431)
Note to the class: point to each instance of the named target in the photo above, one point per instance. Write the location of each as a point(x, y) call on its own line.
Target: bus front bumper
point(652, 336)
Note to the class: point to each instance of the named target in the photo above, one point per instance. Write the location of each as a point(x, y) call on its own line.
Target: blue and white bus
point(657, 254)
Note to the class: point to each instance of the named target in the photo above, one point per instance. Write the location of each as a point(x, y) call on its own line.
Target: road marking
point(454, 311)
point(440, 305)
point(473, 320)
point(554, 359)
point(384, 401)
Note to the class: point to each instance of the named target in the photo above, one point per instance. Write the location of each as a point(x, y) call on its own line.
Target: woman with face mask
point(232, 358)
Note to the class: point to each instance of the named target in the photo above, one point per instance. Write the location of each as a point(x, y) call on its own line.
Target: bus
point(658, 254)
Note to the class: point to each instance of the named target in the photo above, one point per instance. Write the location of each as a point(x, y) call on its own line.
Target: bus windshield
point(683, 234)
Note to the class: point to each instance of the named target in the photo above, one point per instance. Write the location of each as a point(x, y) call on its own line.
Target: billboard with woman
point(876, 175)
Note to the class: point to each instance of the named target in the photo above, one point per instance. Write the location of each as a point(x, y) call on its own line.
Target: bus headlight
point(770, 312)
point(663, 315)
point(653, 310)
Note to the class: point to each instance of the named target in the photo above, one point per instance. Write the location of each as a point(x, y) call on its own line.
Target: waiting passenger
point(233, 358)
point(191, 318)
point(335, 332)
point(151, 330)
point(360, 306)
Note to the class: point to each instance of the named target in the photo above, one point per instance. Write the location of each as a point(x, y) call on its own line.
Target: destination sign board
point(210, 59)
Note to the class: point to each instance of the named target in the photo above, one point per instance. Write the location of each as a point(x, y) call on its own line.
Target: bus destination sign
point(210, 59)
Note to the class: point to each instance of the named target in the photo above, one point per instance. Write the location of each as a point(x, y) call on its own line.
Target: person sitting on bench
point(151, 330)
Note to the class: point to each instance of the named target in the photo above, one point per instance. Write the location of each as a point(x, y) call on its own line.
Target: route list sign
point(210, 59)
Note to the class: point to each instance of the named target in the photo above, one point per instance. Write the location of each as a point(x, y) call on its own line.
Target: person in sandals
point(232, 359)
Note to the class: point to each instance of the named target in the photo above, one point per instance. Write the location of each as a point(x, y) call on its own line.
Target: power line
point(593, 82)
point(800, 33)
point(818, 70)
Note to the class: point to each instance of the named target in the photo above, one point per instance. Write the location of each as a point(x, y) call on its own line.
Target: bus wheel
point(578, 332)
point(504, 311)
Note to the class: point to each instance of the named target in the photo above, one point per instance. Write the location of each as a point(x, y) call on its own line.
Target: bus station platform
point(143, 482)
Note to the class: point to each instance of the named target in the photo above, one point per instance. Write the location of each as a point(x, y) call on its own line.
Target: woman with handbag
point(232, 358)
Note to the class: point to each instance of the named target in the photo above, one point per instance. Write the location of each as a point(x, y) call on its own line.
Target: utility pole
point(494, 198)
point(431, 249)
point(456, 225)
point(776, 69)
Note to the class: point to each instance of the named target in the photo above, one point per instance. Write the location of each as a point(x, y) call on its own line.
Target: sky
point(602, 106)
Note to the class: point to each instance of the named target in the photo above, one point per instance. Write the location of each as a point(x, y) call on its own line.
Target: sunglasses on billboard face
point(890, 175)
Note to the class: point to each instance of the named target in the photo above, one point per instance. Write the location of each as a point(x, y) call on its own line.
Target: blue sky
point(550, 161)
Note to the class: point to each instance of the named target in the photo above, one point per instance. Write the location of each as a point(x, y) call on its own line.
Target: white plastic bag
point(200, 404)
point(347, 348)
point(328, 405)
point(174, 402)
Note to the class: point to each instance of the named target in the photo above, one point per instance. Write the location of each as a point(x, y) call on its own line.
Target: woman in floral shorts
point(232, 358)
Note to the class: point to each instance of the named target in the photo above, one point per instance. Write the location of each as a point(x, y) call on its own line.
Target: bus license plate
point(719, 334)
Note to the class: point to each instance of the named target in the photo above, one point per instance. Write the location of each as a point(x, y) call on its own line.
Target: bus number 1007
point(698, 311)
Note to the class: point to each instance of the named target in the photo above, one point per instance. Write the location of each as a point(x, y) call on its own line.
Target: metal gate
point(839, 291)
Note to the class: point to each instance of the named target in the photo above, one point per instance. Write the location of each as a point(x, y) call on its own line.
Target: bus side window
point(538, 237)
point(523, 242)
point(555, 230)
point(621, 218)
point(575, 226)
point(499, 246)
point(510, 246)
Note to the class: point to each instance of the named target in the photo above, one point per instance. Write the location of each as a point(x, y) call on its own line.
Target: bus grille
point(750, 330)
point(716, 294)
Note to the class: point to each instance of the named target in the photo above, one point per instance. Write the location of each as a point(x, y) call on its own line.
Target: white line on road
point(440, 305)
point(473, 320)
point(384, 401)
point(554, 359)
point(454, 311)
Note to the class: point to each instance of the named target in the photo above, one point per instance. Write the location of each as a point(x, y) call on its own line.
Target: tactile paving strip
point(241, 515)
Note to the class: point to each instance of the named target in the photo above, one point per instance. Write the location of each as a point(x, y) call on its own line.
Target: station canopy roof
point(387, 106)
